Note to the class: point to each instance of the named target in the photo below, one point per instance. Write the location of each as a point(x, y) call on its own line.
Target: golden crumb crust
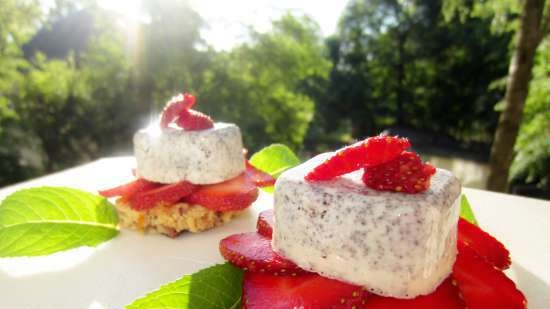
point(172, 220)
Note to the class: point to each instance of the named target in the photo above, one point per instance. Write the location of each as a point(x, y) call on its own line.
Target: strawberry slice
point(258, 177)
point(406, 174)
point(265, 223)
point(483, 244)
point(192, 120)
point(175, 107)
point(252, 252)
point(234, 194)
point(308, 291)
point(129, 189)
point(445, 296)
point(483, 286)
point(167, 195)
point(372, 151)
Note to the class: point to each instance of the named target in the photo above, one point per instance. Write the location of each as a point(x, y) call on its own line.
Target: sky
point(227, 20)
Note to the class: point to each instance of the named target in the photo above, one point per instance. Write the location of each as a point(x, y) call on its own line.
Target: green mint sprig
point(466, 211)
point(41, 221)
point(274, 160)
point(216, 287)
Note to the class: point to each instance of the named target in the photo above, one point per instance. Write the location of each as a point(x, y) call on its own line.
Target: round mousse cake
point(191, 174)
point(201, 157)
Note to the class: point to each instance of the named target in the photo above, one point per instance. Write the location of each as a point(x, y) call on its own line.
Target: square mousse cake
point(393, 244)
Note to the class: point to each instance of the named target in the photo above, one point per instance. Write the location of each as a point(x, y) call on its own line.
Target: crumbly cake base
point(172, 220)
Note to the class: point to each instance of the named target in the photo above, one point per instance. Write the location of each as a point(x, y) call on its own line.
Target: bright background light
point(227, 20)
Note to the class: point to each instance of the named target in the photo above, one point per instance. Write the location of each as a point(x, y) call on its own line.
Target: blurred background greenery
point(77, 79)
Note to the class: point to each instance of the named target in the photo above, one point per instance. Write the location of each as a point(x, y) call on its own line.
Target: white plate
point(115, 273)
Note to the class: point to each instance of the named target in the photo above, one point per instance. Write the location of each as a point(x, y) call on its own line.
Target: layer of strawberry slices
point(271, 281)
point(234, 194)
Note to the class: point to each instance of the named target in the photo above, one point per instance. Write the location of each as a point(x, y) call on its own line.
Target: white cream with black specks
point(200, 157)
point(393, 244)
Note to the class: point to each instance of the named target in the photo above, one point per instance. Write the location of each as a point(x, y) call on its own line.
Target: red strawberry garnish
point(259, 178)
point(129, 189)
point(234, 194)
point(265, 223)
point(252, 252)
point(192, 120)
point(309, 291)
point(406, 173)
point(372, 151)
point(483, 244)
point(175, 107)
point(167, 195)
point(483, 286)
point(445, 296)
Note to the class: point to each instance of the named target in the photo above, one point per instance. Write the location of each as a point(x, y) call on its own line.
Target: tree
point(267, 85)
point(73, 103)
point(16, 28)
point(531, 164)
point(533, 26)
point(400, 63)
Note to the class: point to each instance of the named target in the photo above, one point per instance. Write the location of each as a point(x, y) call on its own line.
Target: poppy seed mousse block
point(393, 244)
point(201, 157)
point(191, 174)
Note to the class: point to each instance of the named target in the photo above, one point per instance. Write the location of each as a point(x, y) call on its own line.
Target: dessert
point(400, 245)
point(374, 228)
point(191, 174)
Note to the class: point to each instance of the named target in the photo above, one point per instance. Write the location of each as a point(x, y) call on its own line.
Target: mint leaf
point(216, 287)
point(274, 159)
point(44, 220)
point(466, 211)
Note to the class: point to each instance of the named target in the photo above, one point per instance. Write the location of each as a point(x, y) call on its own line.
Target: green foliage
point(16, 28)
point(265, 85)
point(216, 287)
point(63, 101)
point(41, 221)
point(50, 108)
point(401, 63)
point(532, 161)
point(502, 13)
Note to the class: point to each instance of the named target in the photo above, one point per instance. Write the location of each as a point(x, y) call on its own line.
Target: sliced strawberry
point(259, 178)
point(482, 286)
point(265, 223)
point(192, 120)
point(308, 291)
point(485, 245)
point(445, 296)
point(235, 194)
point(252, 252)
point(167, 195)
point(406, 173)
point(372, 151)
point(129, 189)
point(175, 107)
